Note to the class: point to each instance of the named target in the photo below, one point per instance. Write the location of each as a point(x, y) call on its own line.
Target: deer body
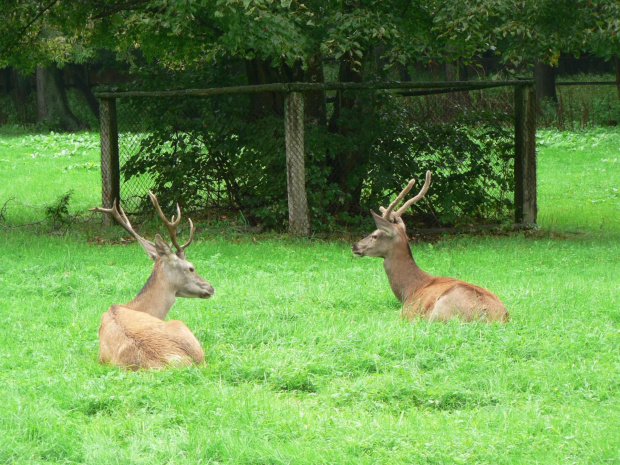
point(422, 294)
point(134, 335)
point(133, 340)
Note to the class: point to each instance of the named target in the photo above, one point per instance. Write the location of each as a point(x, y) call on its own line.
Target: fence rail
point(586, 83)
point(315, 86)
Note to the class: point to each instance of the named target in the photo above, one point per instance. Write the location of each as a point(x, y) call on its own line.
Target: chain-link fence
point(133, 130)
point(310, 157)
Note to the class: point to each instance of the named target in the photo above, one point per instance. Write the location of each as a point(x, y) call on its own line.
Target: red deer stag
point(134, 335)
point(422, 294)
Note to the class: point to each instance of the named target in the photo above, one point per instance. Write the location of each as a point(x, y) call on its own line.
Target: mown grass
point(306, 359)
point(579, 177)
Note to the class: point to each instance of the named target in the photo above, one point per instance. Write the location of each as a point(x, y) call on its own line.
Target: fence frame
point(525, 195)
point(110, 164)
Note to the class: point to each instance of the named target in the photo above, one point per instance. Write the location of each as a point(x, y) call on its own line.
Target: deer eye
point(375, 236)
point(192, 269)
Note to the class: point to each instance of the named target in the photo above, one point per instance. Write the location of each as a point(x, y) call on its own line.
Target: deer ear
point(163, 249)
point(383, 224)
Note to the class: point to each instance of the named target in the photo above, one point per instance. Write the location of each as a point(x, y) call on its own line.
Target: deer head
point(390, 234)
point(179, 274)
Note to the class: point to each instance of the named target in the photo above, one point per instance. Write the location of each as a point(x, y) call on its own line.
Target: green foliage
point(58, 212)
point(522, 33)
point(189, 33)
point(469, 154)
point(50, 31)
point(204, 153)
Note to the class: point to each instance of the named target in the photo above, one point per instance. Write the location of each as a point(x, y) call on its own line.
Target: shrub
point(206, 154)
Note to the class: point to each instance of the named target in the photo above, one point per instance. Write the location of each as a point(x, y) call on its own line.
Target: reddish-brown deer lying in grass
point(422, 294)
point(134, 335)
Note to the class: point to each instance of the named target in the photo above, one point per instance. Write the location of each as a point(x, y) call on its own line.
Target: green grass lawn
point(36, 169)
point(307, 360)
point(579, 181)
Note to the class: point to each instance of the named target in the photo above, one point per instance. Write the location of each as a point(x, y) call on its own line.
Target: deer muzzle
point(357, 250)
point(208, 291)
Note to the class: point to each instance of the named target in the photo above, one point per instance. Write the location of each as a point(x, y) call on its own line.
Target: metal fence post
point(299, 224)
point(526, 207)
point(110, 168)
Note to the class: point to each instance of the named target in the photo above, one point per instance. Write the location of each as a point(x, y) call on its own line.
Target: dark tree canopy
point(185, 33)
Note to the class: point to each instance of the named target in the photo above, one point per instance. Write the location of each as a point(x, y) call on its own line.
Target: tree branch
point(15, 38)
point(110, 10)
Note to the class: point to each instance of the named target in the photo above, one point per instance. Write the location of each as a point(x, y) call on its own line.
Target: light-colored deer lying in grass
point(422, 294)
point(134, 335)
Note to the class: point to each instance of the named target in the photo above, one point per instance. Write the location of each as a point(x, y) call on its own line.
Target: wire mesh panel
point(195, 151)
point(132, 132)
point(465, 139)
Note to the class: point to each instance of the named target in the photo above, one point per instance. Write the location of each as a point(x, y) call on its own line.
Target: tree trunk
point(41, 101)
point(457, 71)
point(272, 103)
point(403, 72)
point(79, 73)
point(451, 70)
point(264, 103)
point(5, 80)
point(22, 89)
point(545, 82)
point(52, 100)
point(346, 120)
point(617, 63)
point(315, 106)
point(5, 88)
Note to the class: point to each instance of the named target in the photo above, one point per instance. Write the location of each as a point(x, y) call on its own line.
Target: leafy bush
point(470, 156)
point(213, 159)
point(206, 153)
point(58, 211)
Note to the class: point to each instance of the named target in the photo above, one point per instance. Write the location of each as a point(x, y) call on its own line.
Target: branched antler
point(173, 224)
point(391, 215)
point(121, 218)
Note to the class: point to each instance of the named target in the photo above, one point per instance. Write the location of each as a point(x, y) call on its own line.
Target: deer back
point(133, 340)
point(441, 299)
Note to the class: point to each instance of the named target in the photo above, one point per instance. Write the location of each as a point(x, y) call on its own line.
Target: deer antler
point(173, 224)
point(387, 212)
point(121, 218)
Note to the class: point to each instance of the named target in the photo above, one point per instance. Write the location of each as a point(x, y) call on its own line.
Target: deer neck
point(156, 296)
point(404, 275)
